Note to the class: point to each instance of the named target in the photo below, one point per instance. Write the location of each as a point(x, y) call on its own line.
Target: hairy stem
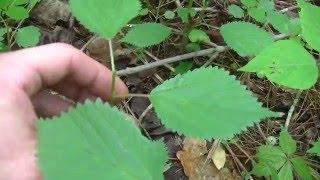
point(113, 68)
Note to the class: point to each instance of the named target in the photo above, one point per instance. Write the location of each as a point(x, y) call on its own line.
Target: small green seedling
point(17, 11)
point(281, 162)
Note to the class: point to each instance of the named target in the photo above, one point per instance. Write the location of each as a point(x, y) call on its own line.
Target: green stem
point(113, 68)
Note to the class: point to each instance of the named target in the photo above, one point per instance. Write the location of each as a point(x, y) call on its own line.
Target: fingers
point(49, 65)
point(47, 104)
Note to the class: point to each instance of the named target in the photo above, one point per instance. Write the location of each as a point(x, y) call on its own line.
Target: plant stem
point(113, 68)
point(291, 110)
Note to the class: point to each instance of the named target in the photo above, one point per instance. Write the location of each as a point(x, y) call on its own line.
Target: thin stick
point(84, 47)
point(213, 148)
point(132, 95)
point(169, 60)
point(144, 113)
point(291, 110)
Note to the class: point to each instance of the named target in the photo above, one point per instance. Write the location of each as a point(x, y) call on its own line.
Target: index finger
point(45, 66)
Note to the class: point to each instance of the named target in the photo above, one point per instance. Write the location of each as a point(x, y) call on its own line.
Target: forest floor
point(188, 156)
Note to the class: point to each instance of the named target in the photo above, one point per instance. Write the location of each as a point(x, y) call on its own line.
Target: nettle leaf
point(28, 36)
point(199, 36)
point(258, 14)
point(301, 168)
point(148, 34)
point(285, 172)
point(286, 63)
point(309, 17)
point(279, 21)
point(3, 31)
point(235, 11)
point(245, 38)
point(295, 26)
point(315, 149)
point(169, 14)
point(287, 144)
point(105, 17)
point(96, 141)
point(17, 13)
point(271, 156)
point(249, 3)
point(198, 104)
point(185, 13)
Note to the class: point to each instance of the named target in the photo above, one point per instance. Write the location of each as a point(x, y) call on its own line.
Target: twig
point(237, 160)
point(144, 113)
point(157, 59)
point(84, 47)
point(291, 110)
point(210, 9)
point(131, 95)
point(178, 3)
point(170, 60)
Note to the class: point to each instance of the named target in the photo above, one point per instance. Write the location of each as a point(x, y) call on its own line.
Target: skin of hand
point(25, 78)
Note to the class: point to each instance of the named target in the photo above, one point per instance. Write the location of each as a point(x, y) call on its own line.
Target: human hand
point(24, 77)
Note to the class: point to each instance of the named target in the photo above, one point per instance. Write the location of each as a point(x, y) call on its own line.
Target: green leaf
point(183, 67)
point(148, 34)
point(198, 36)
point(287, 144)
point(279, 21)
point(258, 14)
point(185, 13)
point(272, 156)
point(266, 5)
point(144, 12)
point(301, 168)
point(285, 172)
point(3, 31)
point(286, 63)
point(28, 36)
point(169, 14)
point(193, 47)
point(309, 17)
point(245, 38)
point(17, 13)
point(105, 17)
point(96, 141)
point(315, 149)
point(198, 104)
point(4, 4)
point(235, 11)
point(295, 26)
point(262, 169)
point(249, 3)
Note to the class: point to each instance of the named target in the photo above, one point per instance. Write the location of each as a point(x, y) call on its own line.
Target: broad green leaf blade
point(105, 17)
point(286, 63)
point(266, 5)
point(199, 36)
point(309, 17)
point(272, 156)
point(235, 11)
point(185, 13)
point(245, 38)
point(262, 169)
point(301, 167)
point(249, 3)
point(148, 34)
point(207, 103)
point(96, 141)
point(258, 14)
point(28, 36)
point(315, 149)
point(285, 172)
point(279, 21)
point(287, 144)
point(17, 13)
point(169, 14)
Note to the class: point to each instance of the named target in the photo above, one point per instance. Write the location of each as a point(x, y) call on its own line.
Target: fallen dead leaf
point(49, 12)
point(219, 157)
point(193, 159)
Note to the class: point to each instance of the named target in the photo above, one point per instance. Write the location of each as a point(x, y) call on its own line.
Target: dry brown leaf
point(50, 11)
point(193, 159)
point(219, 157)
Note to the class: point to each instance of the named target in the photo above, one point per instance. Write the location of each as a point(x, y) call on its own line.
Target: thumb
point(17, 138)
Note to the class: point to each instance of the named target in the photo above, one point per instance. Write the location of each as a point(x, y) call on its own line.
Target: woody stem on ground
point(292, 108)
point(204, 52)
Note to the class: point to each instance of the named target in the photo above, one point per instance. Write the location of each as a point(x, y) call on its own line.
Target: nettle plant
point(12, 15)
point(97, 141)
